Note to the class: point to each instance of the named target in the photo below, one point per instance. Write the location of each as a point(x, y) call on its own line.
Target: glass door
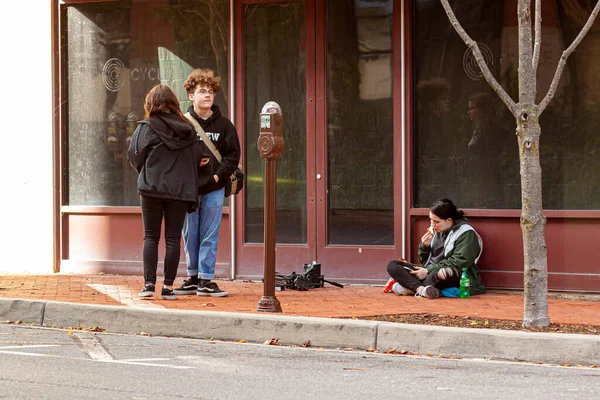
point(329, 66)
point(275, 57)
point(355, 131)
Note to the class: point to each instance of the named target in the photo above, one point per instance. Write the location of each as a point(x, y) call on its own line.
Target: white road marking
point(126, 362)
point(93, 348)
point(21, 353)
point(122, 294)
point(29, 346)
point(145, 364)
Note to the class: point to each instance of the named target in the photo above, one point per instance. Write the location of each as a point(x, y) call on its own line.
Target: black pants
point(399, 271)
point(153, 210)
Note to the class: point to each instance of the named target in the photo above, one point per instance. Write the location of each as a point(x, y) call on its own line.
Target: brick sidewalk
point(350, 301)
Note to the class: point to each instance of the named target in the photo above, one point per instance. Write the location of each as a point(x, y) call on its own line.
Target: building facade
point(384, 110)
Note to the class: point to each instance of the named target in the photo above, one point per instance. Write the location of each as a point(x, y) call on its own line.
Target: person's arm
point(466, 250)
point(423, 253)
point(425, 246)
point(142, 140)
point(230, 153)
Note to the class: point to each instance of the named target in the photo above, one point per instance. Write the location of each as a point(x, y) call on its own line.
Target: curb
point(552, 348)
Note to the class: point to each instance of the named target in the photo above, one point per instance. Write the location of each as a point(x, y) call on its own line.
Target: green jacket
point(460, 252)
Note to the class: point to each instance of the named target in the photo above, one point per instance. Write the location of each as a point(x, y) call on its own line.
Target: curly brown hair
point(161, 98)
point(202, 77)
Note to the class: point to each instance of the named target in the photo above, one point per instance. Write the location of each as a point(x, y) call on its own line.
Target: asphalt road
point(43, 363)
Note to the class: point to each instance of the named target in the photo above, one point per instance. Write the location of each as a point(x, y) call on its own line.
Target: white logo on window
point(470, 64)
point(113, 74)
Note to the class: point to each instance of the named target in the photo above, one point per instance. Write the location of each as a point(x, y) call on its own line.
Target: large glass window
point(113, 54)
point(465, 143)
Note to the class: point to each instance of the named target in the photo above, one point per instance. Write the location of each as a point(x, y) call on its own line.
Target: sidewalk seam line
point(376, 335)
point(43, 313)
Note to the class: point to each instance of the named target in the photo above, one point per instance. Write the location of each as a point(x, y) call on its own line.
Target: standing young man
point(201, 228)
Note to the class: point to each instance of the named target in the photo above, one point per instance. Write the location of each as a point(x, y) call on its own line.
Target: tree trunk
point(533, 222)
point(527, 114)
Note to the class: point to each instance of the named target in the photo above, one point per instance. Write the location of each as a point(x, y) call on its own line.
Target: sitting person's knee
point(392, 265)
point(445, 273)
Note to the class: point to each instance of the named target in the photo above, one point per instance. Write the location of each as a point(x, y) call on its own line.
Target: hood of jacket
point(216, 113)
point(172, 130)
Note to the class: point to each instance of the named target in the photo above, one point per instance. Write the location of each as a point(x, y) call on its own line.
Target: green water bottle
point(465, 285)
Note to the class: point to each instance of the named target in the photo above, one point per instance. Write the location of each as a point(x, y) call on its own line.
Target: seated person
point(450, 245)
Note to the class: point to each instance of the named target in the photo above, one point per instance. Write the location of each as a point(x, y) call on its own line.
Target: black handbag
point(236, 181)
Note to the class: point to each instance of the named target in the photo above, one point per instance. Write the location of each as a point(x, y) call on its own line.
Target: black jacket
point(223, 134)
point(166, 153)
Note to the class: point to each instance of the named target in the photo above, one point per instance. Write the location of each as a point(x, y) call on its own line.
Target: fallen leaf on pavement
point(305, 344)
point(371, 350)
point(95, 329)
point(242, 341)
point(272, 342)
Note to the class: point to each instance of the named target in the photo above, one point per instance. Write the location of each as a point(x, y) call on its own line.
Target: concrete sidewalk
point(111, 302)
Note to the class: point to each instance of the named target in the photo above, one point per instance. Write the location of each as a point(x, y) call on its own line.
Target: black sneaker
point(189, 286)
point(147, 291)
point(167, 294)
point(210, 289)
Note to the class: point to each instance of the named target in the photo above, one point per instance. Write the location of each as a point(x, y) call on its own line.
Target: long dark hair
point(445, 208)
point(162, 99)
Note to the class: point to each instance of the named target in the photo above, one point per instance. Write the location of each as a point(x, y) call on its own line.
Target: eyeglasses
point(205, 92)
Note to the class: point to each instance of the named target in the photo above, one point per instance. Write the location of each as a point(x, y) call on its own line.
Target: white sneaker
point(399, 289)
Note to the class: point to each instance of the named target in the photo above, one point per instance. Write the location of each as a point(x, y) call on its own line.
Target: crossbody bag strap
point(205, 139)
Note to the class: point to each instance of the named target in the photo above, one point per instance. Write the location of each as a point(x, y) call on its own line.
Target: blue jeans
point(201, 235)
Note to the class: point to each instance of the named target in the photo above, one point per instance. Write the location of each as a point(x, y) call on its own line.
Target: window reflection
point(115, 52)
point(470, 152)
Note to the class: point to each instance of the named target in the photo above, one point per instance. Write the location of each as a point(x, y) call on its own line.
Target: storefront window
point(113, 54)
point(465, 146)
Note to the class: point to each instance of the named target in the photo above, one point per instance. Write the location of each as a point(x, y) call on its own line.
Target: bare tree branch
point(564, 56)
point(471, 44)
point(537, 43)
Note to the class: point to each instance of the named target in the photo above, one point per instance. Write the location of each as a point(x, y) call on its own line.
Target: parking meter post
point(270, 145)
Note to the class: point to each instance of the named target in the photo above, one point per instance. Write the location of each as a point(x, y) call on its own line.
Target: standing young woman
point(444, 251)
point(166, 153)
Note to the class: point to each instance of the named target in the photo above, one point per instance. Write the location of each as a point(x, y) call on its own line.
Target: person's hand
point(204, 161)
point(426, 239)
point(420, 273)
point(216, 178)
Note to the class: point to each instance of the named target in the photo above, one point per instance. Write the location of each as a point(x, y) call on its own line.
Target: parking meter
point(113, 132)
point(270, 140)
point(130, 125)
point(270, 146)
